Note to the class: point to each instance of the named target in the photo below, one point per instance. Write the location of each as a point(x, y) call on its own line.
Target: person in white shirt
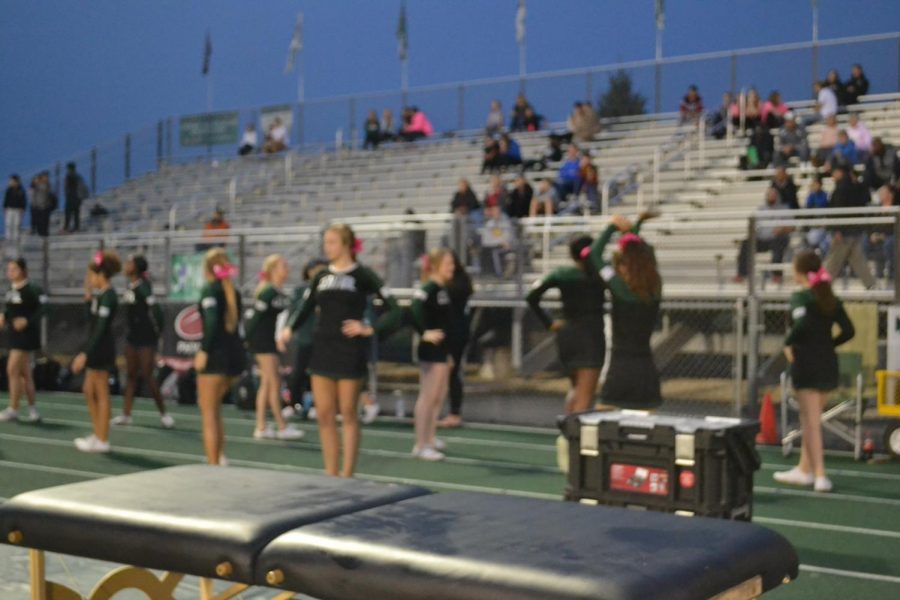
point(276, 140)
point(860, 135)
point(494, 123)
point(826, 104)
point(248, 141)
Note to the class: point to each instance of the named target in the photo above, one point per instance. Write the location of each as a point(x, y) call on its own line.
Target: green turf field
point(848, 541)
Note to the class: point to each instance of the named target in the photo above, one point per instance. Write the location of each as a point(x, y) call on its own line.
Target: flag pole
point(404, 79)
point(301, 80)
point(522, 67)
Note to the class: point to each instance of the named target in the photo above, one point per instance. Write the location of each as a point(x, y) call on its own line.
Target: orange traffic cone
point(768, 430)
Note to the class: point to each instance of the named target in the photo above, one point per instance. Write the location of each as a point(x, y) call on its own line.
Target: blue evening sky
point(78, 73)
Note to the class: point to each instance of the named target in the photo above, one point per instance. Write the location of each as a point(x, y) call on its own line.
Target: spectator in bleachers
point(773, 111)
point(496, 237)
point(42, 203)
point(517, 118)
point(833, 81)
point(569, 179)
point(276, 137)
point(496, 192)
point(464, 201)
point(817, 237)
point(553, 154)
point(881, 240)
point(856, 86)
point(490, 159)
point(844, 152)
point(860, 135)
point(14, 203)
point(828, 139)
point(752, 111)
point(546, 201)
point(787, 189)
point(533, 121)
point(691, 107)
point(249, 140)
point(590, 183)
point(826, 104)
point(718, 121)
point(494, 123)
point(847, 241)
point(372, 129)
point(584, 123)
point(388, 127)
point(882, 166)
point(215, 231)
point(510, 155)
point(791, 142)
point(519, 201)
point(774, 239)
point(415, 125)
point(76, 191)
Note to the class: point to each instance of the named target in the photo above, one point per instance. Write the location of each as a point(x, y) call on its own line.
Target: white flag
point(660, 14)
point(296, 44)
point(520, 23)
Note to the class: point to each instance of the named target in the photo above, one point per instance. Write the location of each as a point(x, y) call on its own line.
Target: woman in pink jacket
point(415, 125)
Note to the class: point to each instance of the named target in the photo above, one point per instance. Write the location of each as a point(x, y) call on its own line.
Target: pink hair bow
point(426, 262)
point(585, 252)
point(98, 258)
point(357, 246)
point(820, 276)
point(629, 238)
point(262, 276)
point(225, 271)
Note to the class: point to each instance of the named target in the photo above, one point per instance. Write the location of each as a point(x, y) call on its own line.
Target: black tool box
point(683, 465)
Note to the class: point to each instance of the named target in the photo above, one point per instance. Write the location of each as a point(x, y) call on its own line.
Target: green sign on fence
point(187, 277)
point(209, 129)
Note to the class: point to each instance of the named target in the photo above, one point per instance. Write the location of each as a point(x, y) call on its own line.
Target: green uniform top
point(581, 293)
point(430, 308)
point(142, 313)
point(101, 312)
point(260, 320)
point(337, 296)
point(213, 307)
point(27, 301)
point(811, 327)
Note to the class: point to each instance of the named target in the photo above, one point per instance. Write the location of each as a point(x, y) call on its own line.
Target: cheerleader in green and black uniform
point(431, 317)
point(260, 329)
point(99, 354)
point(632, 380)
point(222, 357)
point(25, 306)
point(338, 296)
point(145, 318)
point(809, 347)
point(580, 338)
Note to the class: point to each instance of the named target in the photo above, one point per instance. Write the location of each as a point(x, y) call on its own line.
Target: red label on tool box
point(642, 480)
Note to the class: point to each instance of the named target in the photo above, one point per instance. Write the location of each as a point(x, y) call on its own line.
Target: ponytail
point(809, 264)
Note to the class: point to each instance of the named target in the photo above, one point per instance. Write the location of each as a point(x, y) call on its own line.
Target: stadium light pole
point(660, 25)
point(520, 39)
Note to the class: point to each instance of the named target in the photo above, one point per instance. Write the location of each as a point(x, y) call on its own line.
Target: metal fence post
point(159, 143)
point(127, 156)
point(657, 104)
point(461, 106)
point(169, 138)
point(56, 182)
point(351, 131)
point(517, 336)
point(739, 317)
point(753, 319)
point(94, 171)
point(167, 264)
point(589, 87)
point(733, 72)
point(242, 259)
point(656, 167)
point(300, 129)
point(896, 258)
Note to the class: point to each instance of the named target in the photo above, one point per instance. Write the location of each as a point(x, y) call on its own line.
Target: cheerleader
point(260, 329)
point(633, 280)
point(25, 306)
point(301, 390)
point(431, 316)
point(99, 354)
point(809, 348)
point(337, 366)
point(221, 358)
point(580, 337)
point(460, 290)
point(145, 318)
